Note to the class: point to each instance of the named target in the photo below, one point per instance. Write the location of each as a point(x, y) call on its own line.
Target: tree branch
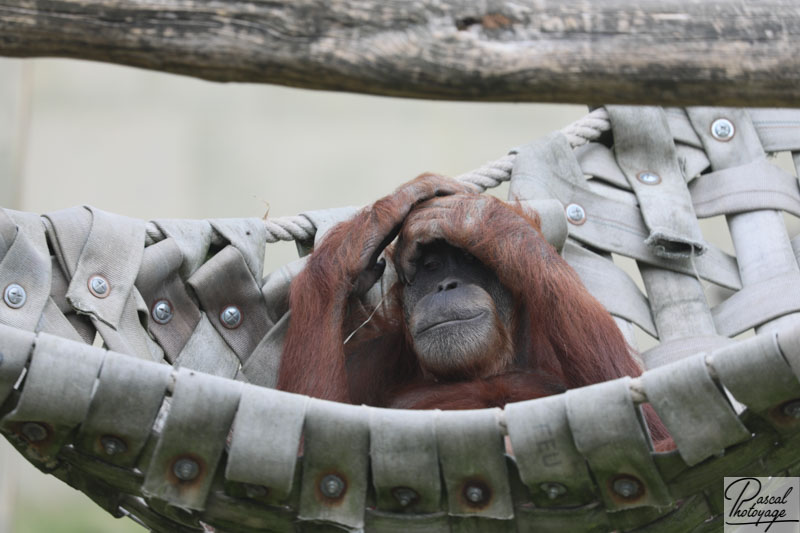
point(714, 52)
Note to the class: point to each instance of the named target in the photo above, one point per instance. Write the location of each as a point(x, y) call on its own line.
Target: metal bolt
point(649, 178)
point(186, 469)
point(722, 129)
point(627, 487)
point(162, 311)
point(15, 296)
point(404, 495)
point(98, 286)
point(34, 432)
point(576, 214)
point(474, 494)
point(553, 490)
point(113, 445)
point(792, 409)
point(231, 317)
point(332, 486)
point(255, 491)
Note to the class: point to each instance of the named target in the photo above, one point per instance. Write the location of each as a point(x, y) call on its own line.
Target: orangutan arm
point(346, 261)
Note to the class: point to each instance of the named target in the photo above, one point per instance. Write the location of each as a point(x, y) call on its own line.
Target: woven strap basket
point(136, 359)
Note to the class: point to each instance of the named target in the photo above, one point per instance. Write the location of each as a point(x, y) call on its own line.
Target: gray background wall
point(153, 145)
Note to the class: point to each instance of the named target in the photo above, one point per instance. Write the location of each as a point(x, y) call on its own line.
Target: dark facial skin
point(459, 315)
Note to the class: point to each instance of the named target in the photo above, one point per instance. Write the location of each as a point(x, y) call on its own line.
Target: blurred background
point(151, 145)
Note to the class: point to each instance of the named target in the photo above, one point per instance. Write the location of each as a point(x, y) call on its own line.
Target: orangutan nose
point(447, 285)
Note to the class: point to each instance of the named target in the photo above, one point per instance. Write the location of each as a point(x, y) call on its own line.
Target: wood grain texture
point(720, 52)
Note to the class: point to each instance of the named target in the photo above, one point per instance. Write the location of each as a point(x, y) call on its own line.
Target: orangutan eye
point(431, 264)
point(468, 257)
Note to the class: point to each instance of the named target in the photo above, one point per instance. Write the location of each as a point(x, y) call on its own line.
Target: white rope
point(294, 228)
point(584, 131)
point(152, 234)
point(588, 129)
point(490, 175)
point(291, 228)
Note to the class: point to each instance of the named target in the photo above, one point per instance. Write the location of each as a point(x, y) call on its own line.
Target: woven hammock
point(203, 443)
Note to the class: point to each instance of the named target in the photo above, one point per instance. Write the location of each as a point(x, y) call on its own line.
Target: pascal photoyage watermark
point(761, 504)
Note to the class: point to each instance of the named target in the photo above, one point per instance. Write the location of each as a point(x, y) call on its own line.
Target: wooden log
point(713, 52)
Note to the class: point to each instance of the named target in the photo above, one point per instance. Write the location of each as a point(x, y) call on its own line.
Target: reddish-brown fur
point(569, 339)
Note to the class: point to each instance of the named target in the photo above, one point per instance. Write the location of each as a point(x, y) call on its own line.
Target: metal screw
point(576, 214)
point(649, 178)
point(332, 486)
point(231, 317)
point(186, 469)
point(113, 445)
point(15, 296)
point(553, 490)
point(792, 409)
point(98, 286)
point(162, 311)
point(404, 495)
point(722, 129)
point(34, 432)
point(627, 487)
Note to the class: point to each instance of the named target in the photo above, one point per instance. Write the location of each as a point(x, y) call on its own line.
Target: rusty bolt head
point(186, 469)
point(255, 491)
point(627, 487)
point(34, 432)
point(476, 493)
point(792, 409)
point(332, 486)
